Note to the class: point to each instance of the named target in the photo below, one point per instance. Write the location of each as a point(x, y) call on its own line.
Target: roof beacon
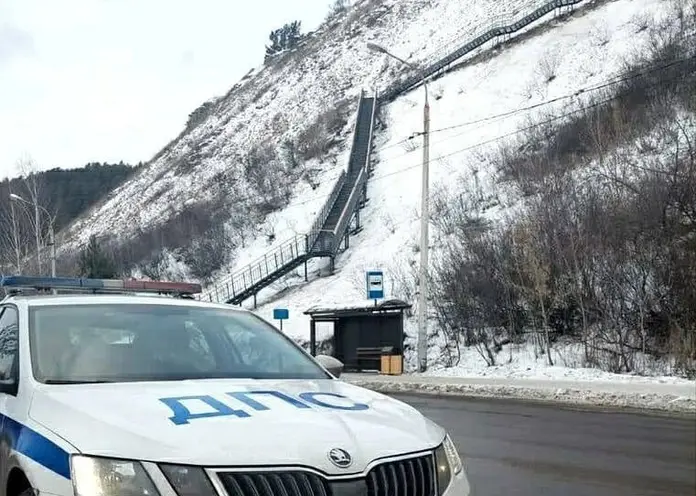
point(100, 285)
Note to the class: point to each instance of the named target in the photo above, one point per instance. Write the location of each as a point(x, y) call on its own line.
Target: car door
point(9, 376)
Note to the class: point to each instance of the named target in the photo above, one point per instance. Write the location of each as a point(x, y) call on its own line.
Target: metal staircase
point(340, 215)
point(353, 185)
point(331, 227)
point(495, 30)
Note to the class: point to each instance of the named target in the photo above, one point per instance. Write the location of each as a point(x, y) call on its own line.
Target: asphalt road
point(512, 449)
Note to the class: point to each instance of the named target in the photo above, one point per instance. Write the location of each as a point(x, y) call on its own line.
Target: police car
point(107, 390)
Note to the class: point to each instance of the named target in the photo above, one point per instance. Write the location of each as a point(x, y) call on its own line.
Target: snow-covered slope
point(279, 101)
point(584, 51)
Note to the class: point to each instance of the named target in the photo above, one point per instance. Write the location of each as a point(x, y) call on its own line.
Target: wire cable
point(582, 91)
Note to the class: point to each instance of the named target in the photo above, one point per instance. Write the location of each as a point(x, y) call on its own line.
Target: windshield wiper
point(75, 381)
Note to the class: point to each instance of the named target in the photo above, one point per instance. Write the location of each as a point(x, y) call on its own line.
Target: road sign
point(375, 284)
point(281, 314)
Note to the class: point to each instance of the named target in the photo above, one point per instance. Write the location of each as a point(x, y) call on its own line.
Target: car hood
point(234, 422)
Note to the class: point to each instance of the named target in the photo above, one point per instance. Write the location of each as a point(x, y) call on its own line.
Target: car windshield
point(137, 342)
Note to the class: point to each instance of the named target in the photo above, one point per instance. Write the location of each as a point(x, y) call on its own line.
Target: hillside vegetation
point(604, 250)
point(65, 194)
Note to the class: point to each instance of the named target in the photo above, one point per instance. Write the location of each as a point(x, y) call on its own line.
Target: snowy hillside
point(306, 95)
point(506, 82)
point(581, 53)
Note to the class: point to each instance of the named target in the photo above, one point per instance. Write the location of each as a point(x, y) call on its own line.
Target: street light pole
point(52, 242)
point(424, 220)
point(15, 236)
point(37, 233)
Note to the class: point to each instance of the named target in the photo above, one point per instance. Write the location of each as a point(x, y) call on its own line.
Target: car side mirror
point(9, 386)
point(333, 365)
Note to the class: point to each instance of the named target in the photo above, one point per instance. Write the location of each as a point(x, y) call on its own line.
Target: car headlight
point(188, 481)
point(93, 476)
point(448, 464)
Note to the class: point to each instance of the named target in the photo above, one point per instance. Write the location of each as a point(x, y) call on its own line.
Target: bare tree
point(534, 275)
point(32, 183)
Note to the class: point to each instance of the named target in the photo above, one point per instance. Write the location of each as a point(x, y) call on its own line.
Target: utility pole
point(422, 345)
point(425, 218)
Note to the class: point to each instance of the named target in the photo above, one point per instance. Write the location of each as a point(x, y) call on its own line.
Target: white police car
point(129, 395)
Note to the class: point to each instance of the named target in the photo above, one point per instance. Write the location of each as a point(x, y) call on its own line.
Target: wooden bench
point(369, 355)
point(375, 352)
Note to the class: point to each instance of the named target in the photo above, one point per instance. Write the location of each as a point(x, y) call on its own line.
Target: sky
point(109, 80)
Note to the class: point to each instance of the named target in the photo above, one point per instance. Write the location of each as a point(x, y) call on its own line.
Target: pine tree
point(95, 262)
point(338, 7)
point(284, 38)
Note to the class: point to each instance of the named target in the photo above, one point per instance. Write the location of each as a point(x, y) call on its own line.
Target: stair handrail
point(346, 215)
point(349, 207)
point(355, 130)
point(262, 267)
point(494, 29)
point(323, 214)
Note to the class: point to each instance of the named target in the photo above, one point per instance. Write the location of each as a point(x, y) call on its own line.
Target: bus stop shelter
point(362, 333)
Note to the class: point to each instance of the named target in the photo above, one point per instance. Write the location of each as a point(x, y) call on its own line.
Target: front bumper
point(459, 485)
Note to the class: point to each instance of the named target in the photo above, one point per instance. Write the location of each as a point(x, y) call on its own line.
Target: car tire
point(28, 492)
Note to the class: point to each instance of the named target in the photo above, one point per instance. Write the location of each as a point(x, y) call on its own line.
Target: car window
point(253, 351)
point(131, 342)
point(9, 334)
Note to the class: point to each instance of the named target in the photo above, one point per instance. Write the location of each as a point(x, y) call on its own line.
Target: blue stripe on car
point(36, 446)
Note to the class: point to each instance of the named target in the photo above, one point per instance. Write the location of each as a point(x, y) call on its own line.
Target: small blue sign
point(375, 284)
point(281, 314)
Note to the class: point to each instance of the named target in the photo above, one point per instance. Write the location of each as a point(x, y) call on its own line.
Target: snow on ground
point(524, 375)
point(521, 362)
point(673, 398)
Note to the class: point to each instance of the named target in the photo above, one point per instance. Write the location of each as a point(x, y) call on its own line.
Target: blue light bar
point(41, 282)
point(116, 285)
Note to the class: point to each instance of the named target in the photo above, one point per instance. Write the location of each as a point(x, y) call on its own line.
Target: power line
point(582, 91)
point(521, 130)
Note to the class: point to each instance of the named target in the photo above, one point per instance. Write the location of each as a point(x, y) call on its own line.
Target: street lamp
point(51, 232)
point(423, 278)
point(15, 237)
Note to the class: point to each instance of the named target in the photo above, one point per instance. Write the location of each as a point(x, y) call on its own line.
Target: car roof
point(112, 299)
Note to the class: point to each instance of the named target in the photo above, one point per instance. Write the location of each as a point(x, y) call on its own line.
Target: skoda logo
point(341, 458)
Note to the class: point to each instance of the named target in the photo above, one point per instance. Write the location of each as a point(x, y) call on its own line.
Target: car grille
point(275, 484)
point(410, 477)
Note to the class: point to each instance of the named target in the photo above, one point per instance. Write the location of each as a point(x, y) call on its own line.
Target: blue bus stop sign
point(375, 284)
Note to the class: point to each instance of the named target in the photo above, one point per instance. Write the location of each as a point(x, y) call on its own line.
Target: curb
point(662, 403)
